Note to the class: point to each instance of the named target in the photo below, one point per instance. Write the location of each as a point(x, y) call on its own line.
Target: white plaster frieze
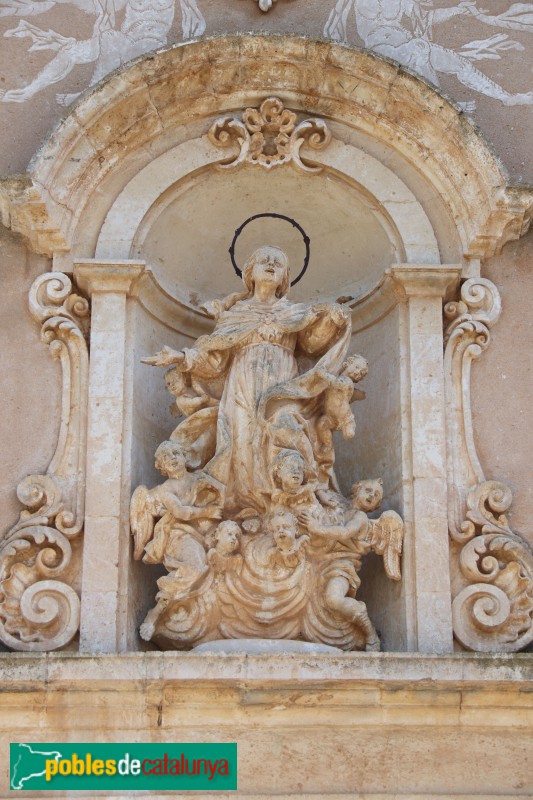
point(38, 610)
point(493, 612)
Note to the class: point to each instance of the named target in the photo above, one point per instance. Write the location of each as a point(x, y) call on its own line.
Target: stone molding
point(493, 612)
point(141, 109)
point(37, 611)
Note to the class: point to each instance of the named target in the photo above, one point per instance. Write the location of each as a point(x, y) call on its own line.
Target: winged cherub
point(168, 523)
point(347, 543)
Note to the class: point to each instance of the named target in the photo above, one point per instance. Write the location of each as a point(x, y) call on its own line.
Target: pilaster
point(426, 565)
point(106, 543)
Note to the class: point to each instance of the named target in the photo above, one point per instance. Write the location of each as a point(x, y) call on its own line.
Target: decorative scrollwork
point(493, 612)
point(269, 136)
point(37, 612)
point(466, 337)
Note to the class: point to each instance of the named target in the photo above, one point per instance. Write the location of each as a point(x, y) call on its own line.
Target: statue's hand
point(339, 315)
point(336, 312)
point(212, 512)
point(165, 358)
point(306, 519)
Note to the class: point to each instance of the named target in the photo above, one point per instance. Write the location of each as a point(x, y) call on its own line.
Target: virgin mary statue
point(244, 389)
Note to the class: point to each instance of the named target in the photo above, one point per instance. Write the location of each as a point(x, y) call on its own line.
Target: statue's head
point(367, 495)
point(268, 264)
point(355, 367)
point(170, 459)
point(283, 529)
point(288, 470)
point(227, 537)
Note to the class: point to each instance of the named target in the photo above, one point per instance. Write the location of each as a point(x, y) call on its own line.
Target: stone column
point(106, 538)
point(426, 561)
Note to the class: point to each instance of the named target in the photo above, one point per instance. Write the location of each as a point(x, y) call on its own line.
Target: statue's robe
point(255, 346)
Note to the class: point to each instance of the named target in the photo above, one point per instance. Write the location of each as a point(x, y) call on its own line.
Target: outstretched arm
point(25, 8)
point(355, 528)
point(444, 14)
point(69, 53)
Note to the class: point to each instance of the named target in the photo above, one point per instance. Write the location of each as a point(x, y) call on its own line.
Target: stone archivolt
point(38, 611)
point(494, 611)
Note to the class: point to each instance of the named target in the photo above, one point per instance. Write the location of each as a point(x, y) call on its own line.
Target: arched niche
point(131, 195)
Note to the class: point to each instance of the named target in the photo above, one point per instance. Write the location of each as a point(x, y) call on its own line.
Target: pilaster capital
point(426, 280)
point(117, 277)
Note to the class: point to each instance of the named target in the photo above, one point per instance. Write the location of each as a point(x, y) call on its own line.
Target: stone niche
point(136, 197)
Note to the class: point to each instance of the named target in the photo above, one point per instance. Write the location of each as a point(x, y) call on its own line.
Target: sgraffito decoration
point(403, 30)
point(122, 30)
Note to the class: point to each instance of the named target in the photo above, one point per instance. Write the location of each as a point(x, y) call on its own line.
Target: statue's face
point(368, 495)
point(177, 465)
point(227, 539)
point(291, 474)
point(284, 534)
point(270, 266)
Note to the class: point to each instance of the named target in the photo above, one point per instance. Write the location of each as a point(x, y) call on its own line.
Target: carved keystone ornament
point(269, 136)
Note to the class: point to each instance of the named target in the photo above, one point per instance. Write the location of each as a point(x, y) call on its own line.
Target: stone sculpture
point(250, 523)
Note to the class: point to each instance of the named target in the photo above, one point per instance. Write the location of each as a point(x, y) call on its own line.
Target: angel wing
point(143, 514)
point(387, 540)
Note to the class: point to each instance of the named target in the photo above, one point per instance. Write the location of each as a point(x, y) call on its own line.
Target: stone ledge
point(379, 668)
point(395, 726)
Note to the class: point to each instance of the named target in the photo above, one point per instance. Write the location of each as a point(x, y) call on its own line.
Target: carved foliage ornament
point(37, 611)
point(494, 611)
point(269, 136)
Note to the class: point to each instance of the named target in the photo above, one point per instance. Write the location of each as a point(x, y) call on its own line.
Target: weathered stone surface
point(250, 524)
point(454, 726)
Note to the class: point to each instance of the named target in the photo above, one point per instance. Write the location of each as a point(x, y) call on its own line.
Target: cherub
point(337, 414)
point(224, 557)
point(189, 394)
point(182, 499)
point(351, 540)
point(289, 549)
point(289, 472)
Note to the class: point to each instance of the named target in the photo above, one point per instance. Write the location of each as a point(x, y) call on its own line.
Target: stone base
point(308, 725)
point(258, 647)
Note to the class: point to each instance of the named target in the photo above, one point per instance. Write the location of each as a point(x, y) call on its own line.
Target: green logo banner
point(123, 767)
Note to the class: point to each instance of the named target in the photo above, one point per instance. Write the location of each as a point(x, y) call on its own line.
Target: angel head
point(288, 470)
point(170, 460)
point(227, 537)
point(355, 367)
point(367, 495)
point(283, 528)
point(267, 265)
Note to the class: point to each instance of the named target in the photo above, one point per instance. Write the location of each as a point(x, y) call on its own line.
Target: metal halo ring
point(294, 224)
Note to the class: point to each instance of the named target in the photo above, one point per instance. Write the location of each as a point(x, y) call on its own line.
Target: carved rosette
point(269, 137)
point(38, 610)
point(493, 612)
